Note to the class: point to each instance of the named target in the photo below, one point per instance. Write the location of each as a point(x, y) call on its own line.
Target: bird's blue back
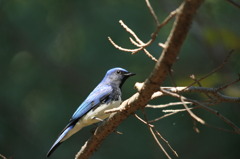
point(97, 96)
point(94, 99)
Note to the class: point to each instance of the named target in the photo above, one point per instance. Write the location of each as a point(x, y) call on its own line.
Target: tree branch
point(213, 91)
point(226, 120)
point(234, 3)
point(3, 157)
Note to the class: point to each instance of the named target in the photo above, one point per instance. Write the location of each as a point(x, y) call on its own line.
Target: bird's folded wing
point(98, 95)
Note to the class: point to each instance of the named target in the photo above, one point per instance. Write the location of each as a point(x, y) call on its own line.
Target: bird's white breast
point(98, 113)
point(93, 116)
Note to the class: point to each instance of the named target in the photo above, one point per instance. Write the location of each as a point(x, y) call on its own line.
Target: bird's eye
point(118, 71)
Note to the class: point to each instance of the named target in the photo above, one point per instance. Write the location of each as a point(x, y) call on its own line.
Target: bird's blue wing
point(98, 95)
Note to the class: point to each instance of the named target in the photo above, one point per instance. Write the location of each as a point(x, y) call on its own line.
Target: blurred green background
point(53, 53)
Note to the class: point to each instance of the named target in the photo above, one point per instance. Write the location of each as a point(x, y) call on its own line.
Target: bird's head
point(117, 76)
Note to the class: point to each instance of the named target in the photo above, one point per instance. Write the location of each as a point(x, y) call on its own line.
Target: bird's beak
point(128, 74)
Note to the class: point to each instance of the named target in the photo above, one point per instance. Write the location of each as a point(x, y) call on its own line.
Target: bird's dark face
point(117, 76)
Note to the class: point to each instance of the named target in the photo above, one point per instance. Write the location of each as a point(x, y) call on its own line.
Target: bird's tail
point(60, 139)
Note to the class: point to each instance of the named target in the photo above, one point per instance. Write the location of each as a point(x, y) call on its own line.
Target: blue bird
point(106, 95)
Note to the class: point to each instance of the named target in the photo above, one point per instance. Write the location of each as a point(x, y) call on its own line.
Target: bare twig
point(195, 117)
point(174, 111)
point(159, 144)
point(164, 116)
point(214, 70)
point(144, 49)
point(139, 118)
point(164, 22)
point(152, 12)
point(213, 91)
point(154, 135)
point(130, 32)
point(162, 45)
point(234, 3)
point(177, 110)
point(229, 84)
point(226, 120)
point(123, 49)
point(113, 110)
point(154, 131)
point(158, 133)
point(195, 80)
point(199, 84)
point(139, 43)
point(195, 128)
point(121, 107)
point(3, 157)
point(221, 129)
point(150, 55)
point(167, 105)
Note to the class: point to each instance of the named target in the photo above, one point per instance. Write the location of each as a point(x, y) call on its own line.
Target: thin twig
point(120, 108)
point(152, 12)
point(164, 22)
point(159, 144)
point(121, 48)
point(164, 116)
point(139, 43)
point(195, 128)
point(218, 128)
point(194, 116)
point(144, 49)
point(113, 110)
point(214, 70)
point(162, 45)
point(166, 105)
point(229, 84)
point(186, 107)
point(219, 97)
point(234, 3)
point(139, 118)
point(226, 120)
point(158, 133)
point(3, 157)
point(154, 135)
point(195, 80)
point(199, 84)
point(130, 32)
point(150, 55)
point(135, 43)
point(213, 91)
point(177, 110)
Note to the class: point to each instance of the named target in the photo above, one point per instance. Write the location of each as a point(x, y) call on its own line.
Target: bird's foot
point(118, 132)
point(96, 118)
